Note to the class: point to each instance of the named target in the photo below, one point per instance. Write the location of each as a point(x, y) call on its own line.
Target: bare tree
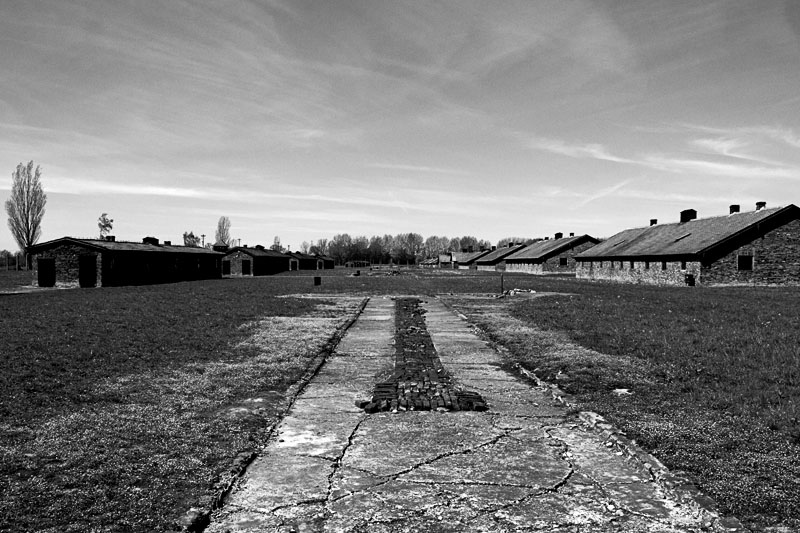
point(105, 224)
point(223, 234)
point(25, 207)
point(305, 246)
point(190, 239)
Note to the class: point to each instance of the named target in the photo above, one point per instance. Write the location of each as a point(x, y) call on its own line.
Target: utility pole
point(203, 243)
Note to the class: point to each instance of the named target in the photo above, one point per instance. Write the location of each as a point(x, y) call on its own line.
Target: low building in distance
point(549, 256)
point(760, 247)
point(108, 263)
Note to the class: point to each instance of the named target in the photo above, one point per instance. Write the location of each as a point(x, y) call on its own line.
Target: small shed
point(258, 261)
point(555, 255)
point(328, 263)
point(760, 247)
point(108, 263)
point(495, 259)
point(431, 262)
point(307, 261)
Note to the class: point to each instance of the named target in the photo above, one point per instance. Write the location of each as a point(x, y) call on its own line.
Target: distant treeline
point(403, 248)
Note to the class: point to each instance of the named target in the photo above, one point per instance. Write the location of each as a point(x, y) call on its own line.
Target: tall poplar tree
point(25, 207)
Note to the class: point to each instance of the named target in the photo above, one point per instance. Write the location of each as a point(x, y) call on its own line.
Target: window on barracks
point(683, 265)
point(632, 265)
point(647, 265)
point(663, 265)
point(744, 262)
point(562, 261)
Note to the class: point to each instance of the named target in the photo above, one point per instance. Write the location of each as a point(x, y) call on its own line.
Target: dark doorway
point(226, 268)
point(47, 271)
point(87, 271)
point(245, 267)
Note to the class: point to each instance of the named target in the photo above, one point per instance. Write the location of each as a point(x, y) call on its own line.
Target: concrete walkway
point(523, 465)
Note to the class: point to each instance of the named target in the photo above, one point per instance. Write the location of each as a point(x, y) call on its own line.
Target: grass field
point(15, 279)
point(714, 377)
point(121, 408)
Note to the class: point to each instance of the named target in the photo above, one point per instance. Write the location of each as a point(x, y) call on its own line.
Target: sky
point(306, 119)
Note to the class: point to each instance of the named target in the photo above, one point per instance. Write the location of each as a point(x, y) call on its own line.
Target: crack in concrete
point(394, 476)
point(337, 464)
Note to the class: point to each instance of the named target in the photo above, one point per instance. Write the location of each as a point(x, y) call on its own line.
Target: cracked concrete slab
point(523, 465)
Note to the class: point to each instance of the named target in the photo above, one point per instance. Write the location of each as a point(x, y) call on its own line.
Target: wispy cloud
point(416, 168)
point(715, 168)
point(737, 163)
point(590, 151)
point(607, 191)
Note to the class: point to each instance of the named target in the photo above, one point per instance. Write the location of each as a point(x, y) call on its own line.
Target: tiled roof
point(542, 250)
point(683, 239)
point(120, 246)
point(495, 256)
point(465, 258)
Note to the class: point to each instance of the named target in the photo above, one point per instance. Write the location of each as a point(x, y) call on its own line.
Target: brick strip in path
point(419, 381)
point(523, 465)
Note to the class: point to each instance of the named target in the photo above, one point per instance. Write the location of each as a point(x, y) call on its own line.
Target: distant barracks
point(760, 247)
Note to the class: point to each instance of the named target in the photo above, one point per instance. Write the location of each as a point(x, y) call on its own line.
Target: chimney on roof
point(571, 234)
point(734, 208)
point(559, 235)
point(761, 205)
point(687, 215)
point(469, 249)
point(259, 247)
point(494, 248)
point(547, 238)
point(167, 243)
point(150, 240)
point(463, 250)
point(245, 246)
point(110, 238)
point(653, 221)
point(220, 247)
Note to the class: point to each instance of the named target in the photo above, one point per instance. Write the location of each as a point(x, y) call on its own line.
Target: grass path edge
point(677, 484)
point(197, 519)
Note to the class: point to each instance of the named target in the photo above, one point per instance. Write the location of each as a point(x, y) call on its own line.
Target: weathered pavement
point(523, 465)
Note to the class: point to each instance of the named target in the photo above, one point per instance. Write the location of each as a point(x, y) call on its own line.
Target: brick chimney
point(150, 240)
point(167, 243)
point(761, 205)
point(571, 233)
point(559, 235)
point(687, 215)
point(653, 221)
point(735, 208)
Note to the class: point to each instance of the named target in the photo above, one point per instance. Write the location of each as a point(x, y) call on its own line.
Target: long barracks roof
point(119, 246)
point(700, 238)
point(495, 256)
point(466, 258)
point(257, 252)
point(543, 250)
